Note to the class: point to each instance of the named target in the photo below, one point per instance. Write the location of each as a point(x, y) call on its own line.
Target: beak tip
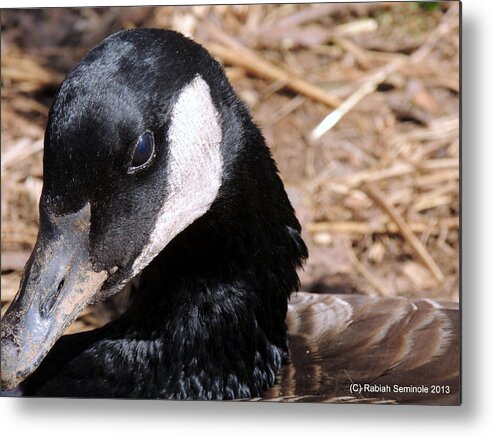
point(9, 358)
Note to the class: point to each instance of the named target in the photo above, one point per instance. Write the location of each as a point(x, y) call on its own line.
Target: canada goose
point(153, 167)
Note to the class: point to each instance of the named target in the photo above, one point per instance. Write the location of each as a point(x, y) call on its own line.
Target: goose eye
point(143, 152)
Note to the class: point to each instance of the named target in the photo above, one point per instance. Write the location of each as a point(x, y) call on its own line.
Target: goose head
point(151, 163)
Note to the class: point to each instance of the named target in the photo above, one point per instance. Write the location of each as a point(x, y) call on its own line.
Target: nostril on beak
point(48, 304)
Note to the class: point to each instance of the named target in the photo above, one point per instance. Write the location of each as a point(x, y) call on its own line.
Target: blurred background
point(358, 102)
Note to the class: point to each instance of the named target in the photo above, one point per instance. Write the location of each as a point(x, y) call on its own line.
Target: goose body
point(154, 171)
point(396, 350)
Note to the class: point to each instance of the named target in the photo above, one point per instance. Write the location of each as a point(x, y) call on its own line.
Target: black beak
point(57, 284)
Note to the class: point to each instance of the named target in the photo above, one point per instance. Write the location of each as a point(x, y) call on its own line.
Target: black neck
point(217, 295)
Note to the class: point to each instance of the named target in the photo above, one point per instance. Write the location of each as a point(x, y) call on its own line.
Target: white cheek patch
point(194, 166)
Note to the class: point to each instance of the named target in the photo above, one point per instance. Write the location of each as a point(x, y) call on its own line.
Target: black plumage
point(207, 320)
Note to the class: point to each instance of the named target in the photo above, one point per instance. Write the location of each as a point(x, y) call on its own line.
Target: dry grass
point(376, 186)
